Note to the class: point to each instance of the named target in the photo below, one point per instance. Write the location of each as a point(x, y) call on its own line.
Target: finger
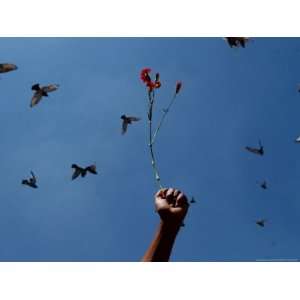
point(182, 200)
point(161, 193)
point(176, 193)
point(169, 196)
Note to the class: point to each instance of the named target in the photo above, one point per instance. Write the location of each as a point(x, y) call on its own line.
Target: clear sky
point(230, 98)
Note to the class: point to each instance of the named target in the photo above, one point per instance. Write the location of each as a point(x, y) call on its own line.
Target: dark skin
point(172, 206)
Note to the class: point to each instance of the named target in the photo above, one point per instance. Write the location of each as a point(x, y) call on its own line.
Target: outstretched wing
point(33, 177)
point(36, 87)
point(231, 41)
point(76, 173)
point(7, 68)
point(134, 119)
point(253, 150)
point(261, 223)
point(124, 126)
point(242, 41)
point(50, 88)
point(36, 98)
point(92, 169)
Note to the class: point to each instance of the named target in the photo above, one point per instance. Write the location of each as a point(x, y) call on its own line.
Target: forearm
point(162, 244)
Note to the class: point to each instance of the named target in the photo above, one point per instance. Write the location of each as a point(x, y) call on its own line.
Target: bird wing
point(50, 88)
point(124, 126)
point(36, 98)
point(231, 41)
point(33, 177)
point(297, 140)
point(7, 68)
point(92, 169)
point(253, 150)
point(76, 173)
point(135, 119)
point(36, 87)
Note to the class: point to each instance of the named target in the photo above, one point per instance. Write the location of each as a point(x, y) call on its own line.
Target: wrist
point(169, 228)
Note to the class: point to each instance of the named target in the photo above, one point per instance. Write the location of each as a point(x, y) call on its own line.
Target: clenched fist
point(172, 206)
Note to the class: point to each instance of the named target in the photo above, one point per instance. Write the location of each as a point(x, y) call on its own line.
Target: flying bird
point(237, 41)
point(31, 181)
point(83, 171)
point(126, 121)
point(263, 185)
point(258, 151)
point(41, 92)
point(4, 68)
point(261, 223)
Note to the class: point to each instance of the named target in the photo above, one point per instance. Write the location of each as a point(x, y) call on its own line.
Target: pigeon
point(41, 91)
point(237, 41)
point(4, 68)
point(193, 200)
point(261, 223)
point(258, 151)
point(126, 121)
point(263, 185)
point(83, 171)
point(31, 182)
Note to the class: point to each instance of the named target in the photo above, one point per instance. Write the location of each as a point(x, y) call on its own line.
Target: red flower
point(151, 85)
point(178, 87)
point(145, 75)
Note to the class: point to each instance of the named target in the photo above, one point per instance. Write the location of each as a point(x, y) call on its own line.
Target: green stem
point(153, 161)
point(165, 112)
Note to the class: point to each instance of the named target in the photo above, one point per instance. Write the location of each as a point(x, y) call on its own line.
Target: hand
point(172, 206)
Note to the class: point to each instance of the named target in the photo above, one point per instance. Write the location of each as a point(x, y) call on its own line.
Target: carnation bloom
point(151, 85)
point(145, 75)
point(178, 87)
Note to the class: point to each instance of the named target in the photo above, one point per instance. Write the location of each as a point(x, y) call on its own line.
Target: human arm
point(172, 206)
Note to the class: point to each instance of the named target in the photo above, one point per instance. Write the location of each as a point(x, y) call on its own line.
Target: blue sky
point(230, 98)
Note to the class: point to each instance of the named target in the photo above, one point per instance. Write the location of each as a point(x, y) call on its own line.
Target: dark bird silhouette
point(4, 68)
point(83, 171)
point(237, 41)
point(41, 92)
point(126, 121)
point(193, 200)
point(263, 184)
point(259, 151)
point(31, 181)
point(261, 223)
